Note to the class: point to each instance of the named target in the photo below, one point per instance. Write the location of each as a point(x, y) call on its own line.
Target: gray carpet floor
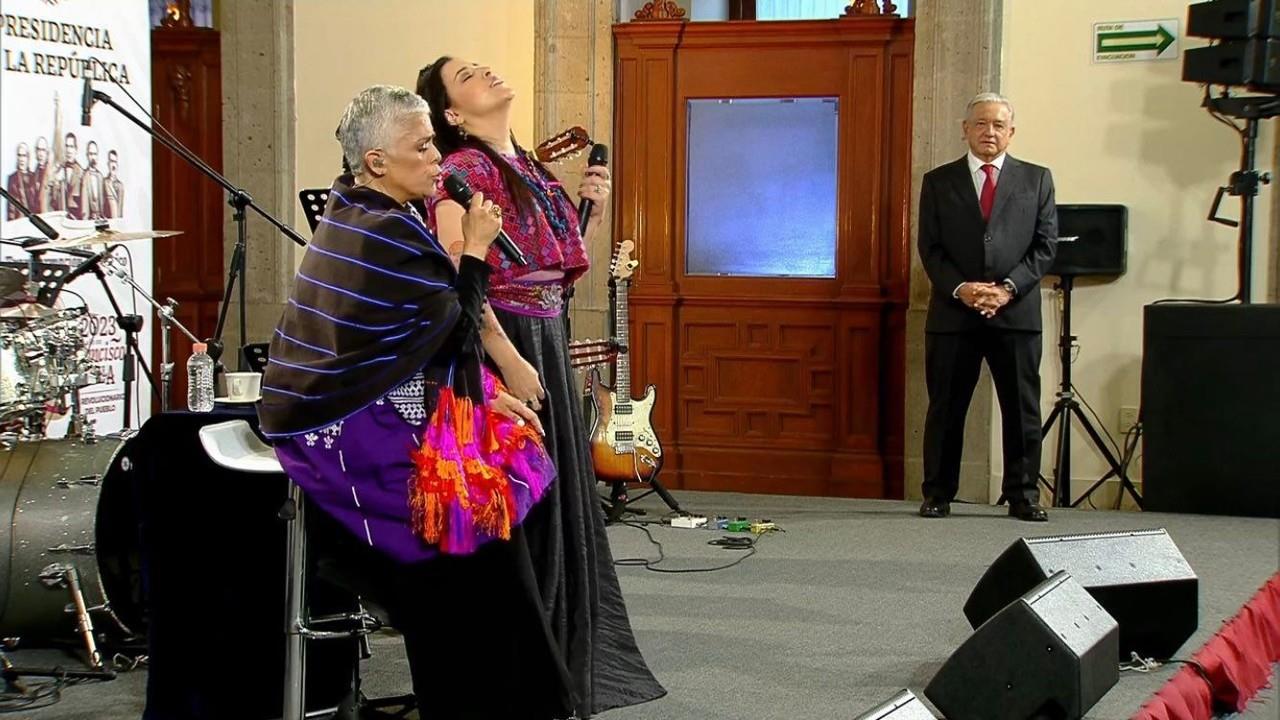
point(856, 600)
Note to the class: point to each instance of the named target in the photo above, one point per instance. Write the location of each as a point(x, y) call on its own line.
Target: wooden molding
point(869, 8)
point(659, 10)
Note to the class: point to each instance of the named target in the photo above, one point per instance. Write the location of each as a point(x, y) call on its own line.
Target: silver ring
point(528, 404)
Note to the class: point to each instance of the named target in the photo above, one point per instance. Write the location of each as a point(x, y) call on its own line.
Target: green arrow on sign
point(1158, 40)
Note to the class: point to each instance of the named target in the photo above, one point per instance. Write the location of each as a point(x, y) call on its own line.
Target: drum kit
point(68, 549)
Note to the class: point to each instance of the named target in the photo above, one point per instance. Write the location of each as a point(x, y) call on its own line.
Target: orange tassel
point(440, 483)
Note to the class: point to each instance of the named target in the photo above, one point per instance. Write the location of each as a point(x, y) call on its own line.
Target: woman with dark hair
point(422, 465)
point(523, 334)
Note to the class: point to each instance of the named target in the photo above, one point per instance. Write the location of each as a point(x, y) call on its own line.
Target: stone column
point(957, 56)
point(573, 79)
point(258, 119)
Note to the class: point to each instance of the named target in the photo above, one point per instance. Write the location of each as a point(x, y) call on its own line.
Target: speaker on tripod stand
point(1091, 243)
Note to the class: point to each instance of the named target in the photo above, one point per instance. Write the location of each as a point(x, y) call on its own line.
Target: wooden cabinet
point(784, 385)
point(186, 92)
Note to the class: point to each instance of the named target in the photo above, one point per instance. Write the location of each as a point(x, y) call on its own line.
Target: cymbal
point(103, 237)
point(26, 311)
point(11, 281)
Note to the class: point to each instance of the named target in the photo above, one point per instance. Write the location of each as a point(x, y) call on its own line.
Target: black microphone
point(86, 102)
point(599, 156)
point(39, 223)
point(87, 265)
point(461, 194)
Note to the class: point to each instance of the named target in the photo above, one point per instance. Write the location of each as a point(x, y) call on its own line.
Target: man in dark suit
point(988, 233)
point(22, 184)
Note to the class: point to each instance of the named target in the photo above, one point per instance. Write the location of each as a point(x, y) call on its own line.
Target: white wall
point(342, 47)
point(1130, 133)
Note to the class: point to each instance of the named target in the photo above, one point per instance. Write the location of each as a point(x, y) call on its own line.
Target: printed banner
point(81, 175)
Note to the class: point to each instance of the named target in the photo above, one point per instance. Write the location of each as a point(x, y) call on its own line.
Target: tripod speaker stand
point(1066, 408)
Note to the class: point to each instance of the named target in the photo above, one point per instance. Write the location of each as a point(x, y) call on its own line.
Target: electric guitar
point(624, 447)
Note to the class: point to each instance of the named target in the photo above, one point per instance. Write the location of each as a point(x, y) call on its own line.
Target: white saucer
point(229, 401)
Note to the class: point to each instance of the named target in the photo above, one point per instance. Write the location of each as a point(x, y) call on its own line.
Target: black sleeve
point(941, 269)
point(473, 284)
point(1044, 246)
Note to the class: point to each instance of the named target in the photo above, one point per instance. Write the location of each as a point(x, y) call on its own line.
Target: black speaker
point(1210, 393)
point(1234, 19)
point(1092, 240)
point(903, 706)
point(1049, 654)
point(1254, 63)
point(1139, 577)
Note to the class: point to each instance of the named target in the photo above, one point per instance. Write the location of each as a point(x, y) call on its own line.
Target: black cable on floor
point(35, 695)
point(727, 542)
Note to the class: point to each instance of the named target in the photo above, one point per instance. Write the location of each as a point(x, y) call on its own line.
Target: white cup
point(244, 386)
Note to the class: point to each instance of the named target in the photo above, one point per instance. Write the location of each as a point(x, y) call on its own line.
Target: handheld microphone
point(461, 193)
point(599, 156)
point(86, 102)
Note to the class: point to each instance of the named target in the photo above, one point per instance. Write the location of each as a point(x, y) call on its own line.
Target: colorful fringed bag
point(477, 473)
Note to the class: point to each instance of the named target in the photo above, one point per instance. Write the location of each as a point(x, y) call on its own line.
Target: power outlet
point(1128, 418)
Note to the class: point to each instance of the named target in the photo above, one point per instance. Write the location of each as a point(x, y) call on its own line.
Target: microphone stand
point(239, 201)
point(167, 323)
point(131, 325)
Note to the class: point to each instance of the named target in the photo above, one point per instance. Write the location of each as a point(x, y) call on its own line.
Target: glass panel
point(812, 9)
point(761, 198)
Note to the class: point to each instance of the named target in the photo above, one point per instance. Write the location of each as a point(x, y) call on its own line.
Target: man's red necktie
point(988, 197)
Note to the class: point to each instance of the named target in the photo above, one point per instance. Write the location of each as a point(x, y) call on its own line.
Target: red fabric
point(535, 234)
point(1237, 661)
point(988, 197)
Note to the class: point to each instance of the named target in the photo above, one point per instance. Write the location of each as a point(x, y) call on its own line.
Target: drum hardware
point(81, 425)
point(65, 576)
point(168, 321)
point(130, 324)
point(71, 551)
point(43, 357)
point(93, 480)
point(78, 549)
point(51, 281)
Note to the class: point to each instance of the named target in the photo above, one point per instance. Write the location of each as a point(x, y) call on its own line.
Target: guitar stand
point(618, 503)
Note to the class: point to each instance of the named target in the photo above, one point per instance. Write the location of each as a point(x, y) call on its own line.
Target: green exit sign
point(1134, 40)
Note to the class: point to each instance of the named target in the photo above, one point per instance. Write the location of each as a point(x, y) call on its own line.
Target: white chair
point(235, 446)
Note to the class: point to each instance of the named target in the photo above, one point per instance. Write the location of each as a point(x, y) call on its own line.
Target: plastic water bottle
point(200, 379)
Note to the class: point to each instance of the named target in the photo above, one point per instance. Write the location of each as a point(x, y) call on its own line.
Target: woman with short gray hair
point(380, 409)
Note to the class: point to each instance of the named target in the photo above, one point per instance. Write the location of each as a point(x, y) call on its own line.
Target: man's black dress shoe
point(1028, 511)
point(930, 509)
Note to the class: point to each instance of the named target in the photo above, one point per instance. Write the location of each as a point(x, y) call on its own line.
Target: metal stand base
point(619, 502)
point(1067, 407)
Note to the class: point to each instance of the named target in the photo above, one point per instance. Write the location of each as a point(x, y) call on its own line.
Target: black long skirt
point(530, 629)
point(568, 550)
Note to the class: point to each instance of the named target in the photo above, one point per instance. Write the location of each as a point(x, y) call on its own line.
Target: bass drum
point(68, 504)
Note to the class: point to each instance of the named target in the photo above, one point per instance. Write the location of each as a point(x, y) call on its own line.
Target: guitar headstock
point(623, 265)
point(564, 145)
